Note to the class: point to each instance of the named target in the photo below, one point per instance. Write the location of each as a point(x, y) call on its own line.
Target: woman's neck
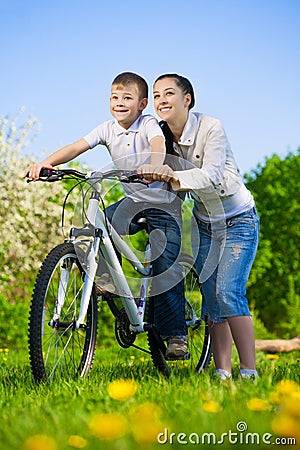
point(177, 127)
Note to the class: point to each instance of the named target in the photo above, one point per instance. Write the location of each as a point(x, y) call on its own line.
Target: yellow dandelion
point(142, 358)
point(122, 389)
point(145, 412)
point(108, 426)
point(287, 386)
point(272, 356)
point(275, 397)
point(285, 425)
point(290, 404)
point(258, 404)
point(77, 441)
point(211, 406)
point(147, 432)
point(40, 442)
point(146, 422)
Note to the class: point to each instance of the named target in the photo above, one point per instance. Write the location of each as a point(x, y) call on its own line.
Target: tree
point(30, 225)
point(275, 279)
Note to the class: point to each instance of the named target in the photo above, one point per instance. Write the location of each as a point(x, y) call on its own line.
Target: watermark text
point(240, 436)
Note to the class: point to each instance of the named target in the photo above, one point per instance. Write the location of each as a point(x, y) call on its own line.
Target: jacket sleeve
point(211, 146)
point(194, 179)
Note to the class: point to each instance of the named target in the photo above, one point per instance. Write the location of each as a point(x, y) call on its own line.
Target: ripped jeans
point(223, 261)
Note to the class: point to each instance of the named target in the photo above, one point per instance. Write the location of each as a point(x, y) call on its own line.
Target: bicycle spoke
point(56, 346)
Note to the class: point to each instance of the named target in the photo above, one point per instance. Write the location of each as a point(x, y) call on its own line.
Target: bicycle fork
point(92, 264)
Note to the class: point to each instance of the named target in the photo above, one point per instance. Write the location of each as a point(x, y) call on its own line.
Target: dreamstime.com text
point(238, 437)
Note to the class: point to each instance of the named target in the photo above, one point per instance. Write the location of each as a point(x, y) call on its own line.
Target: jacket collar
point(190, 130)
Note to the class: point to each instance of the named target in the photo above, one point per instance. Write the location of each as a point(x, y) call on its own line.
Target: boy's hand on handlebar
point(33, 172)
point(159, 173)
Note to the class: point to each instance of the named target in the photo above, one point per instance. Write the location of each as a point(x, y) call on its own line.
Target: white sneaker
point(223, 374)
point(249, 373)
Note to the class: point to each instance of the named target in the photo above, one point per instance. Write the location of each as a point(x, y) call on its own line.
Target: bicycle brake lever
point(133, 179)
point(50, 175)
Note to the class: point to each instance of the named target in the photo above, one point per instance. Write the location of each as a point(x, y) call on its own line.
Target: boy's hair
point(126, 78)
point(183, 83)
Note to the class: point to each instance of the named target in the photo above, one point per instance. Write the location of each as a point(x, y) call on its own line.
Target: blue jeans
point(164, 228)
point(223, 262)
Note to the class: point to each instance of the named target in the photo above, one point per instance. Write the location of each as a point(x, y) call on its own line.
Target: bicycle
point(63, 319)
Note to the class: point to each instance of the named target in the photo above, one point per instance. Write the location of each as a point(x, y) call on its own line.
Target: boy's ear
point(143, 103)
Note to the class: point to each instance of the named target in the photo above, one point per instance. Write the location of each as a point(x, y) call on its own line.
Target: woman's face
point(169, 101)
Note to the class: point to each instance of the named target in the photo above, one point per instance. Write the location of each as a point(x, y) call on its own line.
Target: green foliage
point(30, 225)
point(274, 285)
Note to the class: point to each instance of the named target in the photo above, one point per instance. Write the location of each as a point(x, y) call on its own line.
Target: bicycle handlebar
point(125, 176)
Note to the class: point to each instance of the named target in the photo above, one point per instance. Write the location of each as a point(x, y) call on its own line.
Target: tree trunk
point(278, 345)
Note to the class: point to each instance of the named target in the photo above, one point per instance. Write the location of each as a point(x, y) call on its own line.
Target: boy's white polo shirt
point(130, 149)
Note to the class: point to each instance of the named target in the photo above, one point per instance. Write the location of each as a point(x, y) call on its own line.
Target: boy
point(134, 139)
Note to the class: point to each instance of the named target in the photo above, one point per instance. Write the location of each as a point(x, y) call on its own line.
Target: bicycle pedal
point(185, 357)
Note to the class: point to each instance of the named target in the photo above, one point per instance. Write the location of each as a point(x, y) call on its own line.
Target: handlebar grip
point(45, 173)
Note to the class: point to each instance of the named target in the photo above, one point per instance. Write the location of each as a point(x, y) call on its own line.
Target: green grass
point(185, 403)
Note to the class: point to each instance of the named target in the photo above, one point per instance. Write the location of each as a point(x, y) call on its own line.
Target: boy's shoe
point(105, 285)
point(177, 348)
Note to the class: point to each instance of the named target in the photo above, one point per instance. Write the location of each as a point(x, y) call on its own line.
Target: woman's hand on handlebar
point(33, 172)
point(159, 173)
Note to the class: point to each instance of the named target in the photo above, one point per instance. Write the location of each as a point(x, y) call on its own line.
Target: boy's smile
point(126, 104)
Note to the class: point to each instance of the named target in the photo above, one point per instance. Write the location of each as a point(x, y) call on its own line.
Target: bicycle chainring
point(124, 335)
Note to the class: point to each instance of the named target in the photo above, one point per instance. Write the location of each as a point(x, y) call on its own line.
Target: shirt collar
point(190, 130)
point(132, 129)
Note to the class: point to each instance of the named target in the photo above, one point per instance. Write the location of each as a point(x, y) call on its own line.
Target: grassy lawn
point(103, 412)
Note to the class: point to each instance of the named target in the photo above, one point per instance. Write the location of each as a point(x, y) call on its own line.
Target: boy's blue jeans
point(164, 228)
point(223, 261)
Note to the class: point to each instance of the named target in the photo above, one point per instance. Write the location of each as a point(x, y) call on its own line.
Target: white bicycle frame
point(103, 242)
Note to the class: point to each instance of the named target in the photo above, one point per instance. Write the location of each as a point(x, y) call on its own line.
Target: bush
point(30, 226)
point(274, 285)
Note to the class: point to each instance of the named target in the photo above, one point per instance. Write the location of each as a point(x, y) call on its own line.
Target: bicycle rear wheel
point(59, 349)
point(198, 334)
point(200, 353)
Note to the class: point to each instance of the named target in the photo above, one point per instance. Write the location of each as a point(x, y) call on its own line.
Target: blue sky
point(58, 59)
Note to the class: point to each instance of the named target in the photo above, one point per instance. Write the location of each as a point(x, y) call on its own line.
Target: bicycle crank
point(124, 335)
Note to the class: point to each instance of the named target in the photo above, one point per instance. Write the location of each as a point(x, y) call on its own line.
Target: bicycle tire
point(157, 349)
point(200, 353)
point(61, 352)
point(198, 334)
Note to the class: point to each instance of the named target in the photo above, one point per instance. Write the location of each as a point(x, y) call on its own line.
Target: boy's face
point(126, 104)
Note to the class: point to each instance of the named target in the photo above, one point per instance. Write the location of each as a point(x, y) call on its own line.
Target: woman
point(225, 214)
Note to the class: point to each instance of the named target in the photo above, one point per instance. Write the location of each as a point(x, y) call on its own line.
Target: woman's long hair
point(186, 86)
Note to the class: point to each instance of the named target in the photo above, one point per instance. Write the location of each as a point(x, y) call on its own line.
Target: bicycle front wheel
point(56, 347)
